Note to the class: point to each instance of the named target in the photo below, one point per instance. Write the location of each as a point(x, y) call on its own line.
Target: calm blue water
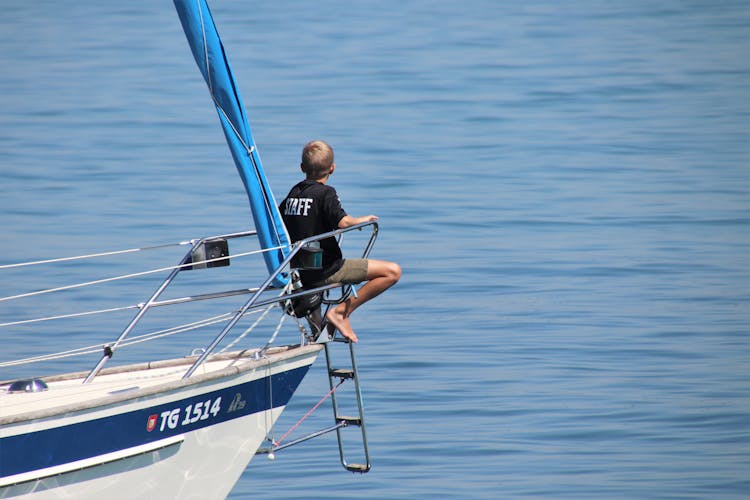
point(567, 188)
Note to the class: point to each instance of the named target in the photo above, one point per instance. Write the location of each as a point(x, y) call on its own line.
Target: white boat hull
point(167, 438)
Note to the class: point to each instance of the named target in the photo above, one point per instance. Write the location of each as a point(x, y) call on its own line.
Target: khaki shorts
point(353, 271)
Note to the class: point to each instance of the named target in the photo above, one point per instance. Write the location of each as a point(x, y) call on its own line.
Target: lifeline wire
point(135, 340)
point(71, 315)
point(93, 255)
point(126, 276)
point(249, 329)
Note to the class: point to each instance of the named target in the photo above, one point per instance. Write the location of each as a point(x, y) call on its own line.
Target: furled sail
point(208, 51)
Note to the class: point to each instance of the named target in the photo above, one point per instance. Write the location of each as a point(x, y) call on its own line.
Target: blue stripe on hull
point(60, 445)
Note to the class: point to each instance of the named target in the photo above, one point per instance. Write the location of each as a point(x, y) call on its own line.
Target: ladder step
point(349, 420)
point(342, 373)
point(357, 468)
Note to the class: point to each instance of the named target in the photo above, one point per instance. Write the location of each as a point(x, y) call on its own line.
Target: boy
point(312, 207)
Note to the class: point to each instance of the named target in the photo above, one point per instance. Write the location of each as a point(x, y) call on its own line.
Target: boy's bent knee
point(392, 271)
point(396, 271)
point(384, 269)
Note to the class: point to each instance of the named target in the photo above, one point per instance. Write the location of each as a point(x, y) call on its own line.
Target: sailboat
point(185, 426)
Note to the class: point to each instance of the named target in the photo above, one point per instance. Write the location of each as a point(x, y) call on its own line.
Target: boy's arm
point(348, 220)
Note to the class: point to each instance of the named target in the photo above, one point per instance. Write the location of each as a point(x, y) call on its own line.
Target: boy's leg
point(381, 275)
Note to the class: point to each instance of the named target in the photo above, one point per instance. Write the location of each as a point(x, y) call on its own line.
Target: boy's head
point(317, 159)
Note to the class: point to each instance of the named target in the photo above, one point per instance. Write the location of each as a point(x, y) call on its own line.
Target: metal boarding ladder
point(344, 421)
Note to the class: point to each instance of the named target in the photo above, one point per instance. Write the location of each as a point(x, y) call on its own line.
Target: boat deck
point(68, 393)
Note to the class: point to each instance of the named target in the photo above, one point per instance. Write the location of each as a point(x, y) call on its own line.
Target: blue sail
point(212, 61)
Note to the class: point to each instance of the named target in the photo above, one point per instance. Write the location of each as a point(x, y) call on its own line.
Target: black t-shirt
point(313, 208)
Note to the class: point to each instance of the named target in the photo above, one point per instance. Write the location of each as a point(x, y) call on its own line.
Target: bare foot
point(337, 321)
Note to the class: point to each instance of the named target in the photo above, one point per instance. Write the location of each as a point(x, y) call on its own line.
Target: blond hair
point(317, 159)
